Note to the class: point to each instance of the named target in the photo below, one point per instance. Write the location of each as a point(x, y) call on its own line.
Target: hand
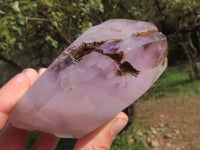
point(15, 139)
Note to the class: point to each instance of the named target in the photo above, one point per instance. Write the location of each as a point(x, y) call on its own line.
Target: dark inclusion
point(86, 48)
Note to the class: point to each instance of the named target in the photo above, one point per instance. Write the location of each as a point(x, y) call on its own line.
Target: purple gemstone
point(102, 72)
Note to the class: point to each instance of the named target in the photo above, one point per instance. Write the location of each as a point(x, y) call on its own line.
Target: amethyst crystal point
point(102, 72)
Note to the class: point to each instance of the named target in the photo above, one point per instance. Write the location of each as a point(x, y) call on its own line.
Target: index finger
point(12, 91)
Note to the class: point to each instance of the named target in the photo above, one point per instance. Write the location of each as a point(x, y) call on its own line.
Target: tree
point(36, 32)
point(180, 21)
point(33, 33)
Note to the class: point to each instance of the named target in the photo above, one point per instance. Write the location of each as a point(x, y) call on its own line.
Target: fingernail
point(25, 71)
point(118, 126)
point(31, 74)
point(41, 71)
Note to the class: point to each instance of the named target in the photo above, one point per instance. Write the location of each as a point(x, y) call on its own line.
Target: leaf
point(70, 8)
point(15, 6)
point(48, 38)
point(11, 40)
point(54, 23)
point(20, 46)
point(51, 41)
point(54, 43)
point(18, 29)
point(3, 46)
point(21, 21)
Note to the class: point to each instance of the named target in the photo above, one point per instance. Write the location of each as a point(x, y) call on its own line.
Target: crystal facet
point(102, 72)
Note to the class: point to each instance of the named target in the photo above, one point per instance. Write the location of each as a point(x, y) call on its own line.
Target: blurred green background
point(34, 32)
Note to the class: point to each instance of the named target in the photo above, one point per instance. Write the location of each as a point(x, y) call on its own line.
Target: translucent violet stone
point(101, 73)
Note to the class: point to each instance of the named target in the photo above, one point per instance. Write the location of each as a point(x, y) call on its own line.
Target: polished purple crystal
point(102, 72)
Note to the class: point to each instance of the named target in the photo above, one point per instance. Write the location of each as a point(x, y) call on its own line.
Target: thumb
point(12, 91)
point(102, 137)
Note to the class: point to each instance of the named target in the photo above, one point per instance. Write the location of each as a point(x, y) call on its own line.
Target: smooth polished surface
point(102, 72)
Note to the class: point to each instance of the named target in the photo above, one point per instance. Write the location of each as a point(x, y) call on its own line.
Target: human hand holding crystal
point(10, 93)
point(97, 76)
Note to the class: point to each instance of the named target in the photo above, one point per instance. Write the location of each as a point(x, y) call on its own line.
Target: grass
point(132, 139)
point(174, 81)
point(175, 84)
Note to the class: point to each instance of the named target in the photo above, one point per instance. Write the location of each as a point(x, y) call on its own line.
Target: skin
point(16, 139)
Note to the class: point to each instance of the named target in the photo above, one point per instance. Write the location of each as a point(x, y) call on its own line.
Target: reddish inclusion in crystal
point(76, 55)
point(87, 48)
point(148, 32)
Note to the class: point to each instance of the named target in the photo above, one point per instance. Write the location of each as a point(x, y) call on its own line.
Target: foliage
point(39, 30)
point(180, 21)
point(33, 33)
